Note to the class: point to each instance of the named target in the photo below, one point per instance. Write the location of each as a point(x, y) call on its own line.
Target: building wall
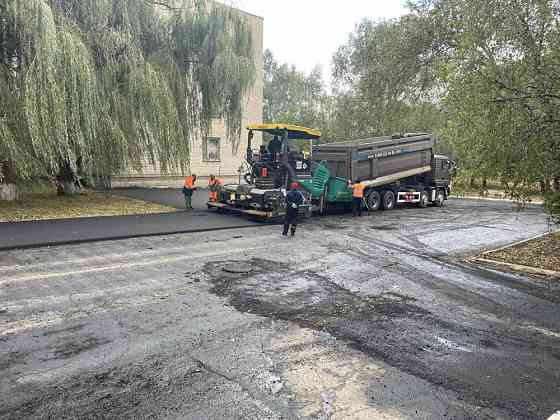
point(229, 160)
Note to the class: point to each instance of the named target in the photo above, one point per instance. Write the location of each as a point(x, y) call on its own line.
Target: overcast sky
point(308, 32)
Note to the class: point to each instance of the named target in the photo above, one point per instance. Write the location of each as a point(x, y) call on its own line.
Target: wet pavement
point(372, 318)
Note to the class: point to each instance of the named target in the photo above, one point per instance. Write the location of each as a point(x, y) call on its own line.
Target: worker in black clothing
point(275, 147)
point(294, 199)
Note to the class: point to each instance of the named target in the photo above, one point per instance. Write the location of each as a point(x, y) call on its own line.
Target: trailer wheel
point(388, 200)
point(373, 201)
point(440, 199)
point(424, 200)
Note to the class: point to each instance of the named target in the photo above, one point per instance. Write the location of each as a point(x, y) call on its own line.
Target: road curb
point(520, 268)
point(502, 200)
point(124, 237)
point(524, 241)
point(517, 267)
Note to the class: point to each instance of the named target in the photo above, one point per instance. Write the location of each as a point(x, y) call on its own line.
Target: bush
point(552, 205)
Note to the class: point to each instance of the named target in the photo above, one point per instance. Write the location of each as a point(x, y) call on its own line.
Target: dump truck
point(395, 169)
point(270, 171)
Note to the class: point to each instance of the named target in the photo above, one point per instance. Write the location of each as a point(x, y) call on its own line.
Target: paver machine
point(270, 172)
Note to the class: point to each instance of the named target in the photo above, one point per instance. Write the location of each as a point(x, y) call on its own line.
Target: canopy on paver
point(294, 131)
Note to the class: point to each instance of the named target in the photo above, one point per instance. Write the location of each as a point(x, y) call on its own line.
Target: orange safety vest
point(189, 182)
point(358, 190)
point(214, 184)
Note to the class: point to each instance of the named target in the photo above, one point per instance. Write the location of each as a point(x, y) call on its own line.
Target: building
point(213, 155)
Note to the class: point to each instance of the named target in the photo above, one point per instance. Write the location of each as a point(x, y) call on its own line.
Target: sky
point(307, 33)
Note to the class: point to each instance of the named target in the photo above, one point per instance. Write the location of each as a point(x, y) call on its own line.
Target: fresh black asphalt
point(57, 232)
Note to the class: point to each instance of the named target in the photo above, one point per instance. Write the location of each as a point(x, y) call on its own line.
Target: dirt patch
point(88, 204)
point(72, 347)
point(270, 288)
point(379, 325)
point(384, 227)
point(138, 390)
point(543, 253)
point(10, 359)
point(391, 327)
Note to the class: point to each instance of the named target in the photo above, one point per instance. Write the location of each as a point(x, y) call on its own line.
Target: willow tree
point(91, 88)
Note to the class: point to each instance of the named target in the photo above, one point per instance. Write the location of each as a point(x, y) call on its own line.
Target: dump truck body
point(398, 169)
point(381, 158)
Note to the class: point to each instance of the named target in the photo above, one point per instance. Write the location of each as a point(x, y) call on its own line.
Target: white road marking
point(452, 345)
point(543, 331)
point(122, 266)
point(105, 257)
point(555, 416)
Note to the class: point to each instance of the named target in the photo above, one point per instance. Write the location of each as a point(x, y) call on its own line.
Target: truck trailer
point(394, 169)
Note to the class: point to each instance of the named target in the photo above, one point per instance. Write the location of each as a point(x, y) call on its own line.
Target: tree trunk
point(556, 184)
point(67, 187)
point(8, 192)
point(544, 186)
point(67, 183)
point(8, 188)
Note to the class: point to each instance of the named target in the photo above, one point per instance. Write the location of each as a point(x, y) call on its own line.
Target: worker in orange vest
point(188, 189)
point(214, 185)
point(357, 197)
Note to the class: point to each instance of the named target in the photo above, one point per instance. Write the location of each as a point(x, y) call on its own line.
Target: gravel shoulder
point(542, 253)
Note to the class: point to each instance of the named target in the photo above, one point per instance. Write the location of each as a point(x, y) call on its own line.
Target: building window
point(211, 149)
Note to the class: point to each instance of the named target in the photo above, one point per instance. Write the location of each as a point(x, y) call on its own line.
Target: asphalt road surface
point(370, 318)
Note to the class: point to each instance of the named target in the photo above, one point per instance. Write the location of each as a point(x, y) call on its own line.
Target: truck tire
point(388, 200)
point(324, 204)
point(373, 201)
point(440, 199)
point(424, 200)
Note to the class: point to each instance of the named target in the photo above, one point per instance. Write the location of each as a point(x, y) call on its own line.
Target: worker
point(214, 185)
point(275, 147)
point(188, 189)
point(357, 197)
point(294, 199)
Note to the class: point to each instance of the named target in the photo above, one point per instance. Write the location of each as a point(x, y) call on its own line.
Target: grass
point(541, 253)
point(47, 205)
point(462, 188)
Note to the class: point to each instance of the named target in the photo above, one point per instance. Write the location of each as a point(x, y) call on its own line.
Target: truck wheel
point(424, 200)
point(324, 202)
point(388, 200)
point(373, 201)
point(440, 199)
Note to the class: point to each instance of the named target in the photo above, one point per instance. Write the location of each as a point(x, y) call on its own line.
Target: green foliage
point(291, 95)
point(383, 82)
point(100, 86)
point(499, 63)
